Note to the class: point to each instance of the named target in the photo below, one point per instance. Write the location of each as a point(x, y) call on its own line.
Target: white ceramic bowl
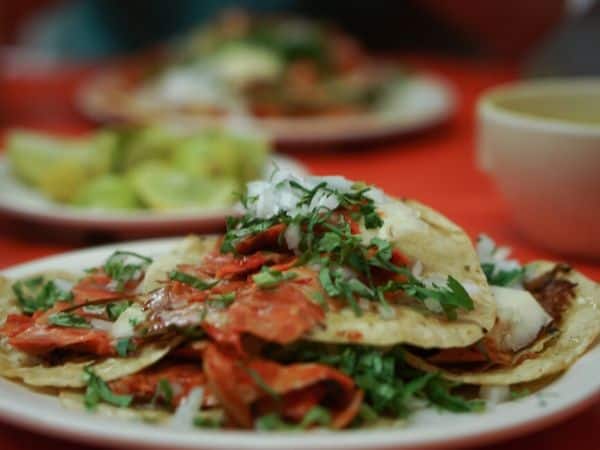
point(540, 141)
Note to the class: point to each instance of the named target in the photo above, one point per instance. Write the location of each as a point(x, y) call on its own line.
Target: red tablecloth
point(436, 167)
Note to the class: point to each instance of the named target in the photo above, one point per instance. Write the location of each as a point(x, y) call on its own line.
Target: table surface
point(437, 166)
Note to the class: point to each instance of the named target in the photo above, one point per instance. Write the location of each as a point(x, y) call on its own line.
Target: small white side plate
point(21, 201)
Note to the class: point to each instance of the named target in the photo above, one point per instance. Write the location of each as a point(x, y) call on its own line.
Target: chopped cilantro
point(35, 294)
point(438, 392)
point(97, 391)
point(451, 297)
point(516, 395)
point(114, 310)
point(207, 422)
point(268, 279)
point(64, 319)
point(191, 280)
point(317, 415)
point(389, 384)
point(163, 391)
point(222, 300)
point(320, 299)
point(272, 422)
point(125, 346)
point(497, 277)
point(119, 270)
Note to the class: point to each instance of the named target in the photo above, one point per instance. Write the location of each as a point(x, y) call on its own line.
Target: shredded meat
point(552, 292)
point(247, 389)
point(182, 378)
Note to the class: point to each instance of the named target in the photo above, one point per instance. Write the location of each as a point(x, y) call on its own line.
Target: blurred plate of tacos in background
point(298, 80)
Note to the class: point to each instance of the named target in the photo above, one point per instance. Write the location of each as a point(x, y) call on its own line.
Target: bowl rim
point(487, 109)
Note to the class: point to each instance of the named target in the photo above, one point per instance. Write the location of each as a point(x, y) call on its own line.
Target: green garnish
point(164, 391)
point(439, 393)
point(207, 422)
point(97, 390)
point(125, 346)
point(516, 395)
point(191, 280)
point(497, 277)
point(317, 415)
point(34, 294)
point(221, 301)
point(114, 310)
point(320, 299)
point(388, 382)
point(64, 319)
point(268, 279)
point(117, 268)
point(347, 263)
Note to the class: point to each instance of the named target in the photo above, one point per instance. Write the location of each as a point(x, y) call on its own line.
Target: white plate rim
point(577, 389)
point(91, 100)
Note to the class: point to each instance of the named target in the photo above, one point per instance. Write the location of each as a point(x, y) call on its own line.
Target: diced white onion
point(471, 288)
point(187, 409)
point(417, 268)
point(100, 324)
point(520, 317)
point(276, 195)
point(433, 305)
point(364, 304)
point(495, 394)
point(386, 313)
point(489, 253)
point(124, 326)
point(63, 285)
point(292, 236)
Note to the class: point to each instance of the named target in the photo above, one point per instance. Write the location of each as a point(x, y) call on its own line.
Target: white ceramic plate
point(576, 389)
point(419, 102)
point(20, 201)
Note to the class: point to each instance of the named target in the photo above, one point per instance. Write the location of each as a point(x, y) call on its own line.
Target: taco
point(547, 318)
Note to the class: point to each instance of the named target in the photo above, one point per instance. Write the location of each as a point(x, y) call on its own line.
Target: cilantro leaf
point(222, 300)
point(329, 242)
point(35, 294)
point(191, 280)
point(317, 415)
point(114, 310)
point(207, 422)
point(268, 278)
point(497, 277)
point(125, 346)
point(64, 319)
point(388, 382)
point(327, 282)
point(163, 391)
point(438, 392)
point(97, 391)
point(119, 270)
point(451, 297)
point(516, 395)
